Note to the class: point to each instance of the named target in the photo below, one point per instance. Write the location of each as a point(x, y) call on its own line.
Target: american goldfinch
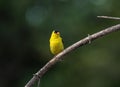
point(56, 44)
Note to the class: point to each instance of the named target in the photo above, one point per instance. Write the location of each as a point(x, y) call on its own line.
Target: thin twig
point(78, 44)
point(108, 17)
point(38, 85)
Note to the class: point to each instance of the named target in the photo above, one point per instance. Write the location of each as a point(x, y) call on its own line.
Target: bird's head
point(55, 33)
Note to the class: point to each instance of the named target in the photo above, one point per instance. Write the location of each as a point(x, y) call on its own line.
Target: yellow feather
point(56, 44)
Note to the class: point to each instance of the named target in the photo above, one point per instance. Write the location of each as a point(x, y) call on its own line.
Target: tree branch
point(108, 17)
point(58, 57)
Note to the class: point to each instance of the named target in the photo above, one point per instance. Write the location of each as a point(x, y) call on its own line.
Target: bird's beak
point(58, 32)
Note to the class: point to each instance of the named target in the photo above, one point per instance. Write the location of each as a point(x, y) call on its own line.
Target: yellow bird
point(56, 44)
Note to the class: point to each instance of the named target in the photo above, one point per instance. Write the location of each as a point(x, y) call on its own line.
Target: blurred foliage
point(25, 28)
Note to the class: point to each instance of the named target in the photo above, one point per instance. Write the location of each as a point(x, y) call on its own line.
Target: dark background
point(25, 28)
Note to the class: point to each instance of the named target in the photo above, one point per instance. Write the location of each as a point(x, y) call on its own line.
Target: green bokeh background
point(25, 28)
